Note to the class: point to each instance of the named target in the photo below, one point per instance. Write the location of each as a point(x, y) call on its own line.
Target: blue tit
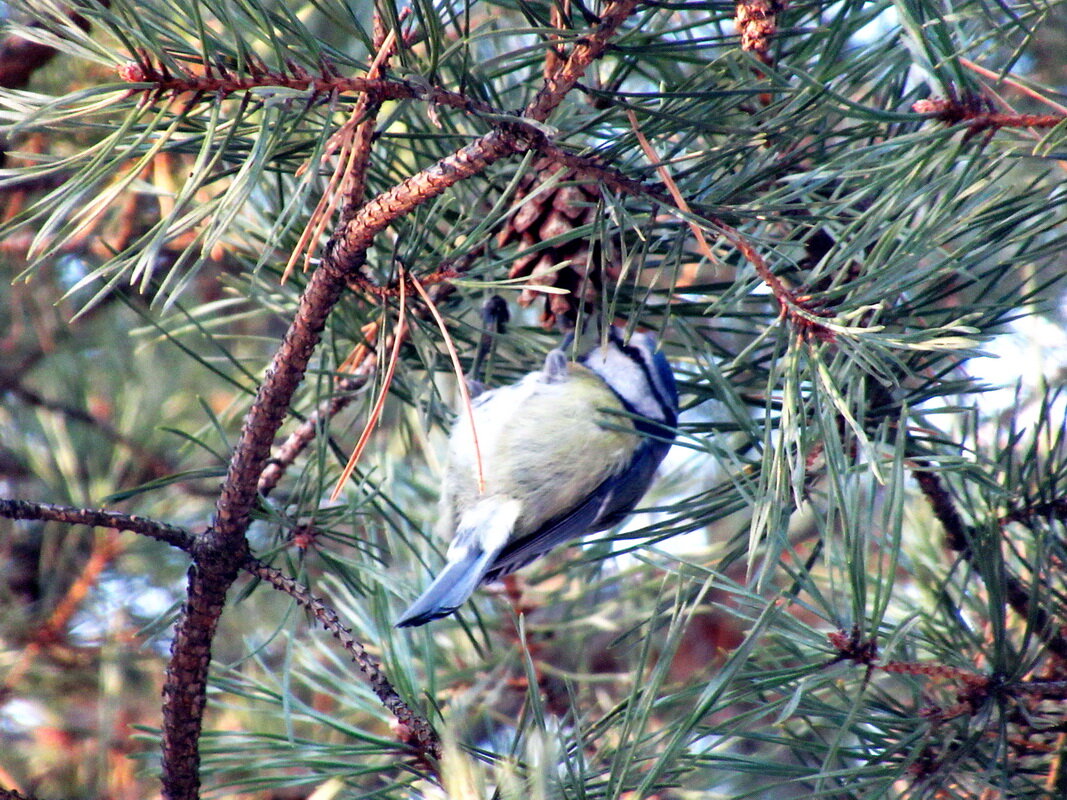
point(567, 450)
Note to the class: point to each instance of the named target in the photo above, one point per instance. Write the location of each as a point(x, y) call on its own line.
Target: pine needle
point(464, 393)
point(376, 412)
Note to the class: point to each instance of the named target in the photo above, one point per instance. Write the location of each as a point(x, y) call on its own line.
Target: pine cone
point(567, 265)
point(757, 23)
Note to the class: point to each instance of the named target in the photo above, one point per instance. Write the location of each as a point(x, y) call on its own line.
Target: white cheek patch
point(627, 378)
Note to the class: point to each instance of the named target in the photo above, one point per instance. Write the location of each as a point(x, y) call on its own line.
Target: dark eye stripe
point(637, 355)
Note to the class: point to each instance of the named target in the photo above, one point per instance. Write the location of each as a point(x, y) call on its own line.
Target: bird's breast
point(547, 445)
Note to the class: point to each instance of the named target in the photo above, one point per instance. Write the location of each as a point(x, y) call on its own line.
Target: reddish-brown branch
point(353, 141)
point(973, 688)
point(418, 732)
point(414, 730)
point(590, 167)
point(794, 308)
point(162, 83)
point(170, 534)
point(555, 52)
point(359, 367)
point(943, 506)
point(367, 108)
point(344, 391)
point(220, 551)
point(979, 119)
point(585, 51)
point(346, 250)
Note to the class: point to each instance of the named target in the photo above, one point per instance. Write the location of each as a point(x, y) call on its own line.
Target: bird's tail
point(481, 534)
point(448, 591)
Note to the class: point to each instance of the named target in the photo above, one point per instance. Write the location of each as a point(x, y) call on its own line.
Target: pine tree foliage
point(848, 580)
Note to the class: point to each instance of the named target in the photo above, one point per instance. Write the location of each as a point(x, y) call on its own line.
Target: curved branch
point(161, 83)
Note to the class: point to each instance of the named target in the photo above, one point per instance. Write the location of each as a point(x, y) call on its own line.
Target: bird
point(568, 449)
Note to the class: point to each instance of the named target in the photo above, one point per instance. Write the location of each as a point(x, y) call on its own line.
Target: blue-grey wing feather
point(448, 592)
point(607, 505)
point(627, 489)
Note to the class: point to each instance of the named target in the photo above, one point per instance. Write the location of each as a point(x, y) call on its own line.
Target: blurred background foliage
point(686, 655)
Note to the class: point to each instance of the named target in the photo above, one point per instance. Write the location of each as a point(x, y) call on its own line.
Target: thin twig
point(161, 83)
point(590, 167)
point(161, 531)
point(958, 539)
point(361, 366)
point(419, 733)
point(978, 120)
point(789, 304)
point(344, 391)
point(416, 731)
point(383, 393)
point(585, 50)
point(348, 180)
point(387, 44)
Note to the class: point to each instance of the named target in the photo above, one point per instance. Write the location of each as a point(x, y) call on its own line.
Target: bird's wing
point(606, 505)
point(629, 487)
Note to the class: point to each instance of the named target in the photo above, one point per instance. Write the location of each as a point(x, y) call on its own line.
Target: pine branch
point(583, 53)
point(979, 119)
point(415, 731)
point(161, 531)
point(814, 178)
point(216, 80)
point(806, 319)
point(344, 391)
point(360, 369)
point(958, 539)
point(366, 110)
